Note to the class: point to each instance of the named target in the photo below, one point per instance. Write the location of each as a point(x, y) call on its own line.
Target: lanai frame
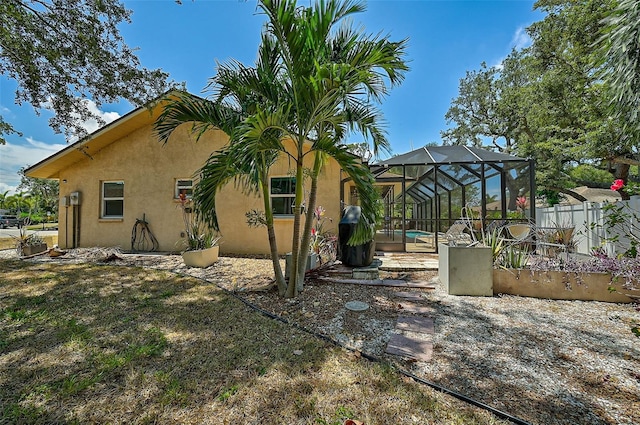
point(424, 191)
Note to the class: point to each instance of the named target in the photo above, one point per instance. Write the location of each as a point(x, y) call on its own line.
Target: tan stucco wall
point(149, 171)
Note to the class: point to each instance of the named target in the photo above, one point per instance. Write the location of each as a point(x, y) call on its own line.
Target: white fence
point(588, 220)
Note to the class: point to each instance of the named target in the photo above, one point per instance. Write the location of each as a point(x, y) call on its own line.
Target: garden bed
point(559, 285)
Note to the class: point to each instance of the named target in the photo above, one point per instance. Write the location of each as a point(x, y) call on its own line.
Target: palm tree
point(312, 85)
point(239, 91)
point(3, 199)
point(335, 77)
point(17, 202)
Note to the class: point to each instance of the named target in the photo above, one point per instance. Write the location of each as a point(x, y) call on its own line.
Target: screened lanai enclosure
point(426, 191)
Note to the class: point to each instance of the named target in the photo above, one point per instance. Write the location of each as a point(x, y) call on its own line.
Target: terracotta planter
point(28, 250)
point(201, 257)
point(560, 286)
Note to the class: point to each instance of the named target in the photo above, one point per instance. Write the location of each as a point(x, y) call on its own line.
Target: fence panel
point(588, 219)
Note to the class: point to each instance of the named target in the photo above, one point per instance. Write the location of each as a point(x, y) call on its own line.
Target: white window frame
point(105, 199)
point(282, 195)
point(178, 188)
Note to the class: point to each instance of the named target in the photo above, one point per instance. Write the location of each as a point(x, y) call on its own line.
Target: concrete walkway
point(415, 328)
point(407, 261)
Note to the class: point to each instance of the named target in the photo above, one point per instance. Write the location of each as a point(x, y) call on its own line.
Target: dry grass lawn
point(86, 343)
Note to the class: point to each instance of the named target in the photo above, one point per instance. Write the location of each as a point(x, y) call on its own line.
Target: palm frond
point(363, 181)
point(240, 163)
point(203, 114)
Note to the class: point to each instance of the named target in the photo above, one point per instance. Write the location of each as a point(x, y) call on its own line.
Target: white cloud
point(6, 188)
point(520, 39)
point(14, 156)
point(92, 124)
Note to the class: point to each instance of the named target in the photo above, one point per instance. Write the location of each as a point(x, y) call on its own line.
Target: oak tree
point(61, 53)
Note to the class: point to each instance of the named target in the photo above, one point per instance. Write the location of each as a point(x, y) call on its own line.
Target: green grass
point(103, 344)
point(39, 226)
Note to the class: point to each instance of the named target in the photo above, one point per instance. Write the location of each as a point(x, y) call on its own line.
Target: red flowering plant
point(323, 242)
point(521, 203)
point(618, 185)
point(521, 208)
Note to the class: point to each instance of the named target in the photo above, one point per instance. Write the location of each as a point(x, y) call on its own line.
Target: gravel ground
point(545, 361)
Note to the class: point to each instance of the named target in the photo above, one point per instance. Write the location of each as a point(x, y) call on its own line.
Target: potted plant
point(201, 245)
point(28, 244)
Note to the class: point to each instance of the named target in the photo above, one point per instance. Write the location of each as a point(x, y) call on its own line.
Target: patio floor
point(407, 261)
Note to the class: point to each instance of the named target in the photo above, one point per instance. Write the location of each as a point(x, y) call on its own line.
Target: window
point(283, 195)
point(183, 186)
point(112, 199)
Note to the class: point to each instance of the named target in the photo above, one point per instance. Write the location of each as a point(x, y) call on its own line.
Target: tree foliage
point(44, 192)
point(63, 52)
point(620, 47)
point(547, 100)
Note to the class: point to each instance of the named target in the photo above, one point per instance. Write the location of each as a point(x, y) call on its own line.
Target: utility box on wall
point(74, 198)
point(64, 201)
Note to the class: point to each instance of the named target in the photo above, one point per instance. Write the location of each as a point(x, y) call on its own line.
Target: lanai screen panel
point(441, 180)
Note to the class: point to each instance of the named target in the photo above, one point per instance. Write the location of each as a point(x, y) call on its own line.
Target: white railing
point(588, 219)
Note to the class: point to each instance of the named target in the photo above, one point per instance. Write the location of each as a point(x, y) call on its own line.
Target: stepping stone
point(356, 306)
point(422, 325)
point(366, 273)
point(415, 309)
point(412, 347)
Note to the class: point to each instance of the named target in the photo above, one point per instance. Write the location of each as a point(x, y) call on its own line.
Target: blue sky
point(446, 39)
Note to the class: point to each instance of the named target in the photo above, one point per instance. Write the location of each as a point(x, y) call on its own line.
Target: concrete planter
point(560, 285)
point(202, 257)
point(466, 270)
point(28, 250)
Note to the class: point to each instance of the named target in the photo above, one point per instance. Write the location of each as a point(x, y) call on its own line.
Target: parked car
point(9, 221)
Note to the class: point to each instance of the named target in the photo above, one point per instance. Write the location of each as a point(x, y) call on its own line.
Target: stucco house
point(121, 173)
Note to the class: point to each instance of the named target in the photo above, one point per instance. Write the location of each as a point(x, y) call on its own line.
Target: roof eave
point(50, 167)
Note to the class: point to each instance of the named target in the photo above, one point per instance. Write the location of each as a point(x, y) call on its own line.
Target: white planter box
point(201, 258)
point(466, 270)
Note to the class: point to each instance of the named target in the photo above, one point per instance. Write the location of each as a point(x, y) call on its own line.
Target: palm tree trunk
point(306, 234)
point(273, 245)
point(292, 288)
